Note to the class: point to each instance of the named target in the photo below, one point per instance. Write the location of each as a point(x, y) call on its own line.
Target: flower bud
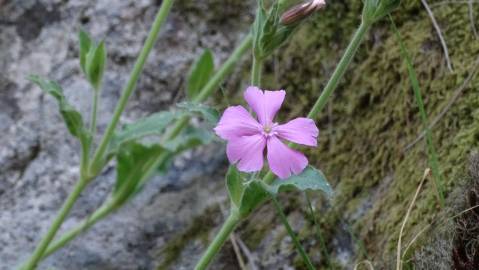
point(301, 11)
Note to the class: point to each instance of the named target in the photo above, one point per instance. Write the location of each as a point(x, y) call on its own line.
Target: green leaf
point(154, 124)
point(309, 179)
point(85, 44)
point(208, 113)
point(254, 194)
point(245, 195)
point(73, 119)
point(190, 138)
point(200, 73)
point(133, 161)
point(95, 64)
point(234, 184)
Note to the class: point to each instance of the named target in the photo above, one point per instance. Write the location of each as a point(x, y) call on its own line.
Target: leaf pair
point(247, 195)
point(92, 59)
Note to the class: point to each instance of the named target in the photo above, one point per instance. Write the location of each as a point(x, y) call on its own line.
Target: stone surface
point(39, 159)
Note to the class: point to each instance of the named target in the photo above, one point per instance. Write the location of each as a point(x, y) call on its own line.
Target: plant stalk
point(228, 226)
point(94, 112)
point(256, 71)
point(67, 237)
point(333, 82)
point(161, 16)
point(67, 206)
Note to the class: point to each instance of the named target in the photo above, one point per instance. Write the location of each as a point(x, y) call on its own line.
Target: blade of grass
point(431, 151)
point(322, 243)
point(296, 242)
point(406, 217)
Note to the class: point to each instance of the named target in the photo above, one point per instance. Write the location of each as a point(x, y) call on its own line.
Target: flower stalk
point(228, 227)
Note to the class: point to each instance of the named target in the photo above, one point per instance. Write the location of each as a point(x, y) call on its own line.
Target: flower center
point(268, 129)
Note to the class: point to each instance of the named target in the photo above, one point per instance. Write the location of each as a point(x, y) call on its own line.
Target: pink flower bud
point(301, 11)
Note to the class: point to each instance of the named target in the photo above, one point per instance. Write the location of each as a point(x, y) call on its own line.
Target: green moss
point(373, 115)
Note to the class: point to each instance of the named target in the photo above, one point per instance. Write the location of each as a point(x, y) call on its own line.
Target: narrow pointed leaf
point(95, 64)
point(73, 119)
point(85, 44)
point(200, 73)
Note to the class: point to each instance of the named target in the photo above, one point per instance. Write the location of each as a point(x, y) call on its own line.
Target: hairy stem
point(333, 82)
point(67, 206)
point(256, 72)
point(130, 86)
point(228, 226)
point(67, 237)
point(94, 112)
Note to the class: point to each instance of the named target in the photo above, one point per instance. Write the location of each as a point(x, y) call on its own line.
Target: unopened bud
point(301, 11)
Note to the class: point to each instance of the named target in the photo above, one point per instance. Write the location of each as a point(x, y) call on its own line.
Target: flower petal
point(284, 161)
point(247, 152)
point(236, 122)
point(299, 130)
point(265, 104)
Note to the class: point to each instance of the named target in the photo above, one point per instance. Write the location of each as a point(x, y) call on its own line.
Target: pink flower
point(247, 138)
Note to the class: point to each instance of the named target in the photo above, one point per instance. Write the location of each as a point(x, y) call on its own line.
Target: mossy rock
point(373, 116)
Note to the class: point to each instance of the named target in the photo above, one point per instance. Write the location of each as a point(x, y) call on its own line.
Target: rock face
point(39, 159)
point(363, 147)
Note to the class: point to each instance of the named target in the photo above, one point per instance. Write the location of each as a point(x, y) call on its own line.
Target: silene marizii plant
point(249, 182)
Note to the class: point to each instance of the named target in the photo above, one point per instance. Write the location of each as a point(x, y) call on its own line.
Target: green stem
point(220, 238)
point(225, 69)
point(291, 233)
point(333, 82)
point(67, 237)
point(340, 70)
point(130, 86)
point(94, 112)
point(67, 206)
point(256, 71)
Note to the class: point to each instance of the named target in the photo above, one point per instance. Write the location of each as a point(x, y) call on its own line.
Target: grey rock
point(39, 159)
